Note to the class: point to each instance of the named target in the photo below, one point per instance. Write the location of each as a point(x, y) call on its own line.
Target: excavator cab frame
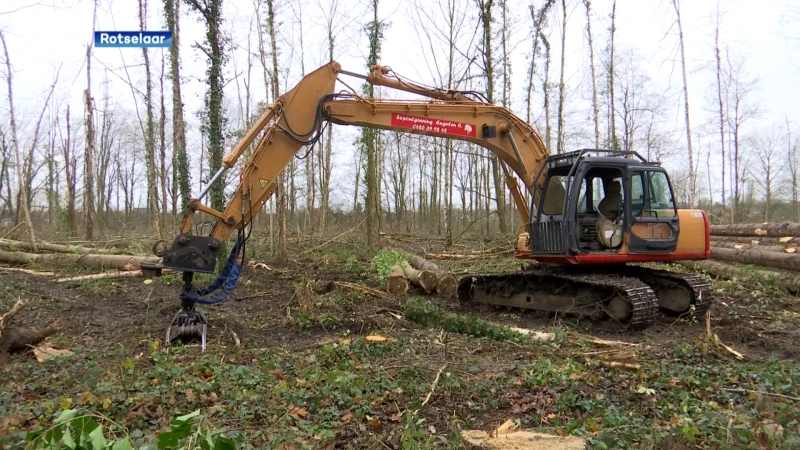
point(573, 228)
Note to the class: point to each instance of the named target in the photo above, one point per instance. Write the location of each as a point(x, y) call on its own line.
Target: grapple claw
point(188, 325)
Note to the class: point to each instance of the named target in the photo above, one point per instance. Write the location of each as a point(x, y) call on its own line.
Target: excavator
point(592, 212)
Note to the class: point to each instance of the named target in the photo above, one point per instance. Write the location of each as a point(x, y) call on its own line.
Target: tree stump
point(14, 339)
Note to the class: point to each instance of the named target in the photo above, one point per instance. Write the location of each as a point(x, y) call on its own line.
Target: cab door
point(651, 212)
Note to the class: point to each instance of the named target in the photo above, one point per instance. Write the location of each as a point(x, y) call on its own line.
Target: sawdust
point(522, 440)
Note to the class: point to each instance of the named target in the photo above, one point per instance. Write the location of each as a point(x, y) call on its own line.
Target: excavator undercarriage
point(630, 295)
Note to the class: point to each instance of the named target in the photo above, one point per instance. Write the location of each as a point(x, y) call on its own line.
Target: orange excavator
point(592, 212)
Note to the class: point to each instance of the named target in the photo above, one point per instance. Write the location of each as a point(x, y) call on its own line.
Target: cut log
point(422, 278)
point(787, 261)
point(446, 283)
point(759, 247)
point(55, 248)
point(421, 263)
point(119, 262)
point(396, 282)
point(758, 240)
point(757, 229)
point(786, 280)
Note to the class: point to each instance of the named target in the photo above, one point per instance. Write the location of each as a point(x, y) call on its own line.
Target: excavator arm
point(301, 114)
point(298, 118)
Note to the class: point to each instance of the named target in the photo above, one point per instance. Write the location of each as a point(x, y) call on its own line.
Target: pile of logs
point(772, 245)
point(421, 273)
point(55, 254)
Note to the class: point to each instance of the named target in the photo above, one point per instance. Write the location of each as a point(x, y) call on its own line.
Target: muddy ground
point(305, 372)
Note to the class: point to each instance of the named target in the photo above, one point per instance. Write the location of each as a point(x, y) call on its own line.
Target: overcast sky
point(48, 34)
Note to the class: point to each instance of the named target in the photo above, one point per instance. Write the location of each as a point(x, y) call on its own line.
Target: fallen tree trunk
point(422, 278)
point(446, 283)
point(758, 240)
point(55, 248)
point(785, 280)
point(763, 248)
point(785, 261)
point(757, 229)
point(396, 282)
point(119, 262)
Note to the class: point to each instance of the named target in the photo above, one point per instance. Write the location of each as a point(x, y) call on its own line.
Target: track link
point(702, 296)
point(642, 299)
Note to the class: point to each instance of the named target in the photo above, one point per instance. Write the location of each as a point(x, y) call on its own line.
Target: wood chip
point(375, 338)
point(45, 352)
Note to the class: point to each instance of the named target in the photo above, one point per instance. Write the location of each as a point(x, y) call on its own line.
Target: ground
point(311, 368)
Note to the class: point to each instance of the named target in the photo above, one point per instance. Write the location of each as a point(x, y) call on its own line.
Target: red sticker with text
point(431, 125)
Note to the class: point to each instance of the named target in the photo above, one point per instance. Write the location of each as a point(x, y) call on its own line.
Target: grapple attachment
point(188, 325)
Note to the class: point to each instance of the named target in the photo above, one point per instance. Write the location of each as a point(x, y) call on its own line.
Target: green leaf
point(124, 444)
point(69, 442)
point(185, 418)
point(66, 416)
point(224, 443)
point(97, 439)
point(167, 440)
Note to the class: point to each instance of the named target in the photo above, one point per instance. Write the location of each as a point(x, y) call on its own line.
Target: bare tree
point(562, 94)
point(720, 99)
point(180, 160)
point(690, 153)
point(770, 165)
point(23, 205)
point(613, 116)
point(595, 110)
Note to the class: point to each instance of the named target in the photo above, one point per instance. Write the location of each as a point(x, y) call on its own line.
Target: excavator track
point(692, 290)
point(624, 298)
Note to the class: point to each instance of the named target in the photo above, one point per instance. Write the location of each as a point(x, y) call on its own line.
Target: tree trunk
point(561, 88)
point(690, 152)
point(150, 133)
point(787, 261)
point(718, 58)
point(369, 137)
point(611, 97)
point(119, 262)
point(548, 129)
point(172, 13)
point(595, 109)
point(757, 229)
point(396, 282)
point(422, 278)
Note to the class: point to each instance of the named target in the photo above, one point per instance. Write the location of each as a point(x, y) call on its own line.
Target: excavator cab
point(602, 206)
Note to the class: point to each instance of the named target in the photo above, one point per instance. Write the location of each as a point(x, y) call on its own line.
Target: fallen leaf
point(346, 417)
point(396, 417)
point(375, 338)
point(189, 394)
point(148, 281)
point(374, 424)
point(44, 352)
point(298, 413)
